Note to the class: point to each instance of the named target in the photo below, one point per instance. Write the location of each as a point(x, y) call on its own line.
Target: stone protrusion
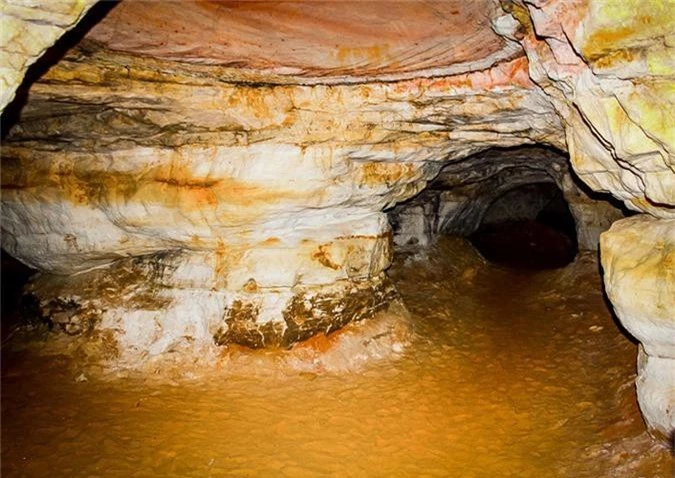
point(638, 258)
point(26, 31)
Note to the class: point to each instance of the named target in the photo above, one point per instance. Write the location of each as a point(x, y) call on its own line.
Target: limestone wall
point(27, 29)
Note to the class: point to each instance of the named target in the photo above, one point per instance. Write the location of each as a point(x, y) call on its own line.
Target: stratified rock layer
point(254, 211)
point(607, 67)
point(325, 42)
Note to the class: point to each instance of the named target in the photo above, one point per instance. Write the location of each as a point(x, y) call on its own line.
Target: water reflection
point(508, 374)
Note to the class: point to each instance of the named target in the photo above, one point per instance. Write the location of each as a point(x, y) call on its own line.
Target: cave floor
point(509, 373)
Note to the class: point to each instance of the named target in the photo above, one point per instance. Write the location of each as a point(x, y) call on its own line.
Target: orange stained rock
point(318, 38)
point(322, 255)
point(168, 185)
point(383, 173)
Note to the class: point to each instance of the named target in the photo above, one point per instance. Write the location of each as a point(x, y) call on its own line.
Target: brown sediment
point(308, 313)
point(322, 255)
point(510, 372)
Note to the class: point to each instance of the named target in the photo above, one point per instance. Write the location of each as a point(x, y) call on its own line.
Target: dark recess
point(546, 240)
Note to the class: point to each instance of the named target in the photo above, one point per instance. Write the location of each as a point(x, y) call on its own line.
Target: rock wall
point(239, 211)
point(27, 29)
point(174, 183)
point(607, 67)
point(638, 258)
point(608, 70)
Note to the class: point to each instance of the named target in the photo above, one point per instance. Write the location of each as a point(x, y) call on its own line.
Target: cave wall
point(607, 67)
point(27, 29)
point(457, 200)
point(257, 188)
point(241, 212)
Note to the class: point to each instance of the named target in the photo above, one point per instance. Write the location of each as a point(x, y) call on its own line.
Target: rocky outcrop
point(28, 29)
point(607, 66)
point(638, 258)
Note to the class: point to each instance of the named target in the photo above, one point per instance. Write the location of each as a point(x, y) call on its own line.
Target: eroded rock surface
point(607, 66)
point(638, 258)
point(254, 210)
point(325, 42)
point(458, 200)
point(180, 183)
point(27, 29)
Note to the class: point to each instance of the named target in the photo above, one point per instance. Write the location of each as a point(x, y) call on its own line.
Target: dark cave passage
point(529, 227)
point(13, 276)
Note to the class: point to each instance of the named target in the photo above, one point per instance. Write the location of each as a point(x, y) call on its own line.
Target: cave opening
point(520, 207)
point(529, 227)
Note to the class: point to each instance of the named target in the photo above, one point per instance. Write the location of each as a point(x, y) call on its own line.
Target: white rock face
point(638, 258)
point(27, 29)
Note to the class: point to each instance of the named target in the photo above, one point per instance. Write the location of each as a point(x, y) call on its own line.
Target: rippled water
point(508, 374)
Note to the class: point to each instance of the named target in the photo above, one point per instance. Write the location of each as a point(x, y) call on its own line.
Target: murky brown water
point(509, 374)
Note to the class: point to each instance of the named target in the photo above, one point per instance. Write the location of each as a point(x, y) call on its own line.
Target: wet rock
point(608, 72)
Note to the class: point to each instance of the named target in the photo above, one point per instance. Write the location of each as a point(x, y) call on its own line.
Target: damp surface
point(508, 373)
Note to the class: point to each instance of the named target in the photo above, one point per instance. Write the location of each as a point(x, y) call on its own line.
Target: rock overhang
point(322, 42)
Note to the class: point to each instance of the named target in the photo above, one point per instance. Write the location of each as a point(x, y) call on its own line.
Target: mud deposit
point(508, 373)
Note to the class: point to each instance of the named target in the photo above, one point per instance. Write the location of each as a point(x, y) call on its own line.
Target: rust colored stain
point(615, 58)
point(271, 241)
point(322, 255)
point(603, 42)
point(168, 185)
point(513, 73)
point(372, 54)
point(251, 286)
point(378, 173)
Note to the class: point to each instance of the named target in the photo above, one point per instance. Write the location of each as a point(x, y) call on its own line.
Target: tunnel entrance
point(528, 227)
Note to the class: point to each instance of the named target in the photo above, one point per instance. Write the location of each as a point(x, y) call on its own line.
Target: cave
point(528, 227)
point(337, 238)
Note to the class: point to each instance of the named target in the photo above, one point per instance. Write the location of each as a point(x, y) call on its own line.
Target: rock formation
point(607, 67)
point(185, 201)
point(457, 200)
point(218, 171)
point(27, 29)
